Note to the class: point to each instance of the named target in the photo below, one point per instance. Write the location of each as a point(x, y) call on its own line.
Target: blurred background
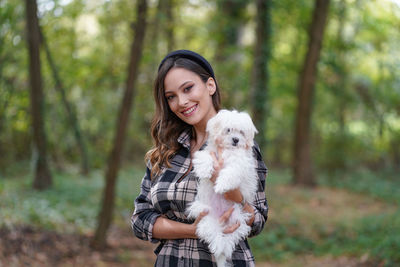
point(320, 79)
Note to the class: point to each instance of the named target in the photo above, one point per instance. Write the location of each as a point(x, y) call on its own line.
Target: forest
point(320, 78)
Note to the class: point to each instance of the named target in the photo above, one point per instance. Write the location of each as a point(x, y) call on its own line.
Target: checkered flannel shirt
point(169, 194)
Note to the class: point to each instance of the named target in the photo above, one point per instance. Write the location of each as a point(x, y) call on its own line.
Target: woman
point(187, 96)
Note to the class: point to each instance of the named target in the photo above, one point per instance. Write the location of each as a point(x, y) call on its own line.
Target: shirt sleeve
point(260, 203)
point(145, 215)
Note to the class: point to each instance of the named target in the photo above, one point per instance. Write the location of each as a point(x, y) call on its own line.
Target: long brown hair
point(166, 126)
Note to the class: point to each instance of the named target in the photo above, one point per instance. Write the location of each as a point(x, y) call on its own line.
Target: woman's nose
point(182, 100)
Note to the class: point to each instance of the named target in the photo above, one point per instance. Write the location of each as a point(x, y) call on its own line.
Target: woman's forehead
point(179, 77)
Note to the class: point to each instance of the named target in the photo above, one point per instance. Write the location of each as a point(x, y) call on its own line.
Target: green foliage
point(376, 235)
point(70, 206)
point(381, 185)
point(302, 231)
point(90, 46)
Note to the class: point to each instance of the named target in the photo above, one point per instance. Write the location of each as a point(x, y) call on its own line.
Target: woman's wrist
point(192, 231)
point(249, 209)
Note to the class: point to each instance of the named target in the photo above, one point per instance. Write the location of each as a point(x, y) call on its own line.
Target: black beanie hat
point(192, 56)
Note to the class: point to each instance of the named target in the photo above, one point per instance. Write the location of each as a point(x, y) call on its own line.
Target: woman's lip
point(189, 111)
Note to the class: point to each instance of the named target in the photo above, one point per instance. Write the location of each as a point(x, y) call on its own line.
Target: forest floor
point(26, 246)
point(29, 246)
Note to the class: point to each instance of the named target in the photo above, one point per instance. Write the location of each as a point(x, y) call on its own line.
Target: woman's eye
point(170, 97)
point(188, 88)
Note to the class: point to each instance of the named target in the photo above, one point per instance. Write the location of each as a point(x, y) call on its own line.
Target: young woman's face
point(189, 97)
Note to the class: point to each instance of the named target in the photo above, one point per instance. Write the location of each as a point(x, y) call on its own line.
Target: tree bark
point(168, 22)
point(228, 21)
point(107, 207)
point(260, 75)
point(302, 163)
point(68, 107)
point(43, 177)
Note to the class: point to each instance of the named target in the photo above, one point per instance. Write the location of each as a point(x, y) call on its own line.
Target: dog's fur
point(233, 132)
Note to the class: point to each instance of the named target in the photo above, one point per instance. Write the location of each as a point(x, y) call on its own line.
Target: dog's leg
point(221, 260)
point(203, 164)
point(227, 180)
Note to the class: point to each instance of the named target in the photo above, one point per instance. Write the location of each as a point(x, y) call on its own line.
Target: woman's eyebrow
point(182, 85)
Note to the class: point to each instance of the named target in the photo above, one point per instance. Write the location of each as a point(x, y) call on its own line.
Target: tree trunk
point(302, 164)
point(106, 212)
point(168, 22)
point(229, 19)
point(70, 110)
point(43, 177)
point(260, 75)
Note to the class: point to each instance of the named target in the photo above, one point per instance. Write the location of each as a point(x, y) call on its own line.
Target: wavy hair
point(166, 126)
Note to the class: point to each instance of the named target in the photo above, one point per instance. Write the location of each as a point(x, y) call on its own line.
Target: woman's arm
point(145, 215)
point(260, 202)
point(168, 229)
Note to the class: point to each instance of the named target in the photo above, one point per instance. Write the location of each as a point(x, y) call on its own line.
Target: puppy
point(233, 132)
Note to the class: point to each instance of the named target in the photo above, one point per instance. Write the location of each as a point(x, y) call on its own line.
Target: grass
point(355, 219)
point(71, 205)
point(352, 215)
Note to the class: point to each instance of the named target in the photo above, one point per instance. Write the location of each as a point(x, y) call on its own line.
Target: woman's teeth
point(189, 110)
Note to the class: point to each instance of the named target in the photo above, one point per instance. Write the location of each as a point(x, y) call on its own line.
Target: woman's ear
point(211, 86)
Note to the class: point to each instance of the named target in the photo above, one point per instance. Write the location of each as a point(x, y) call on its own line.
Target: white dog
point(233, 132)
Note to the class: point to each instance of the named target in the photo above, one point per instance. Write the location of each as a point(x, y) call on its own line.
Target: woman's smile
point(189, 111)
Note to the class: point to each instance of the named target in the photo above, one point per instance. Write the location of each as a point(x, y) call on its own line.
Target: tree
point(302, 164)
point(107, 207)
point(229, 19)
point(43, 177)
point(68, 106)
point(166, 8)
point(260, 75)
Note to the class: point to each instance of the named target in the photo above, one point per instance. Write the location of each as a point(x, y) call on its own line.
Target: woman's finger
point(214, 156)
point(232, 228)
point(225, 217)
point(201, 216)
point(216, 164)
point(220, 159)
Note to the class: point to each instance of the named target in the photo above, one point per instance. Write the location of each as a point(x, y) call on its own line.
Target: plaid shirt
point(169, 194)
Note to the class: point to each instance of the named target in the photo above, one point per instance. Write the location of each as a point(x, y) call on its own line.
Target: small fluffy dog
point(234, 132)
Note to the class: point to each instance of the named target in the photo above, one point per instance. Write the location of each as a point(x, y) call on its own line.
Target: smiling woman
point(187, 96)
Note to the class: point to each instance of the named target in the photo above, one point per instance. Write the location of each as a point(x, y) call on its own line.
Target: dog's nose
point(235, 140)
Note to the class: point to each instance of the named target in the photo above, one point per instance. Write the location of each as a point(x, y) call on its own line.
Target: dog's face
point(231, 129)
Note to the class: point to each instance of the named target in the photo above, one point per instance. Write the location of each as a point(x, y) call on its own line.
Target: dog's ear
point(251, 130)
point(213, 125)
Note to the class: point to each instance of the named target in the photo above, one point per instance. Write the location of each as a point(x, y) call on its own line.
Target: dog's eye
point(241, 132)
point(228, 130)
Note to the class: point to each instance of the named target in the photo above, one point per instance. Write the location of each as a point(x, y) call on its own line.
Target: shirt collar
point(184, 138)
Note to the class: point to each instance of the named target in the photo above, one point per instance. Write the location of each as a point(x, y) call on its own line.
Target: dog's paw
point(221, 188)
point(225, 183)
point(203, 164)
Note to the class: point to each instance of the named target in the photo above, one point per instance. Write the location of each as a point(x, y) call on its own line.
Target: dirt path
point(25, 246)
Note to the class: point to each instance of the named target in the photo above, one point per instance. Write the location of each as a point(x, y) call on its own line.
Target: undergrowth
point(376, 236)
point(72, 204)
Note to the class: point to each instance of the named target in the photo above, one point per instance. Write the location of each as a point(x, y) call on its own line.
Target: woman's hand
point(235, 196)
point(196, 222)
point(224, 219)
point(218, 163)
